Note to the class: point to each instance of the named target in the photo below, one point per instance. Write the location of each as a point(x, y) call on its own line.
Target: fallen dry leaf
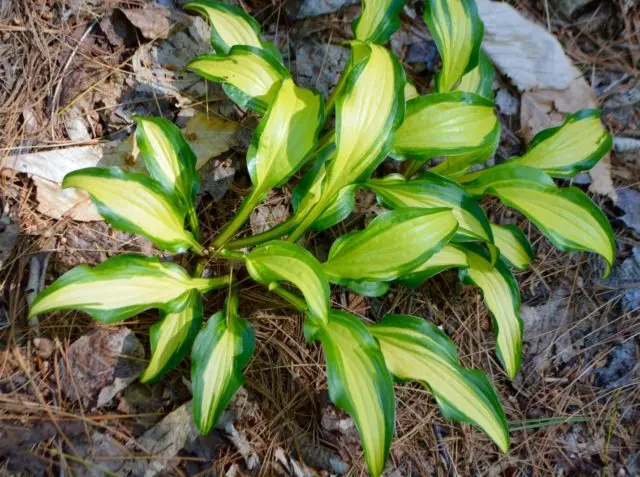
point(48, 168)
point(155, 22)
point(209, 138)
point(544, 108)
point(536, 63)
point(522, 49)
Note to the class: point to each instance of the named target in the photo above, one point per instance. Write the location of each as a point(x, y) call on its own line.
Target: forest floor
point(72, 74)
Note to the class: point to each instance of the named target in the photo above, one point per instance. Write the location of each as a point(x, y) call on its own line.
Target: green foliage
point(433, 222)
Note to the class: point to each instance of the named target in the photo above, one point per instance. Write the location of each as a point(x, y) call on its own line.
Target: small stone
point(629, 202)
point(625, 279)
point(44, 347)
point(423, 53)
point(507, 103)
point(320, 65)
point(313, 8)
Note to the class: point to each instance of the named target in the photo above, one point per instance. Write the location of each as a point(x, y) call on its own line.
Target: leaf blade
point(230, 25)
point(169, 159)
point(285, 137)
point(502, 298)
point(121, 287)
point(171, 338)
point(480, 79)
point(374, 253)
point(457, 123)
point(433, 191)
point(416, 350)
point(513, 245)
point(278, 260)
point(134, 203)
point(250, 76)
point(457, 30)
point(574, 146)
point(447, 257)
point(222, 349)
point(358, 382)
point(566, 216)
point(378, 20)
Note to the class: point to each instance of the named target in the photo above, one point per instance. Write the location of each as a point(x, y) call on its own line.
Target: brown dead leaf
point(209, 138)
point(155, 22)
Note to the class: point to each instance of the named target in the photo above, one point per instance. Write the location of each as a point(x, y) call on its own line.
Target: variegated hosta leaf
point(456, 166)
point(508, 174)
point(250, 77)
point(308, 190)
point(393, 245)
point(410, 91)
point(513, 245)
point(502, 297)
point(285, 137)
point(358, 381)
point(378, 20)
point(338, 210)
point(172, 337)
point(457, 30)
point(433, 191)
point(137, 204)
point(283, 261)
point(446, 258)
point(169, 160)
point(364, 127)
point(121, 287)
point(415, 350)
point(368, 288)
point(281, 144)
point(567, 217)
point(222, 349)
point(231, 26)
point(576, 145)
point(446, 124)
point(480, 79)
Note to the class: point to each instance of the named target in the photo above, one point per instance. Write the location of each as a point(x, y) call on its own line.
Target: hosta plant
point(330, 149)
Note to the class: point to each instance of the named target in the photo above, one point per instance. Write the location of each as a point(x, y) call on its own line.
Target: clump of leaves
point(433, 222)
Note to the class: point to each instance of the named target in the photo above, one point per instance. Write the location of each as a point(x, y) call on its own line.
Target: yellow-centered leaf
point(135, 203)
point(172, 337)
point(222, 349)
point(502, 297)
point(446, 124)
point(577, 145)
point(121, 287)
point(457, 30)
point(513, 245)
point(393, 245)
point(278, 261)
point(358, 381)
point(378, 20)
point(415, 350)
point(250, 77)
